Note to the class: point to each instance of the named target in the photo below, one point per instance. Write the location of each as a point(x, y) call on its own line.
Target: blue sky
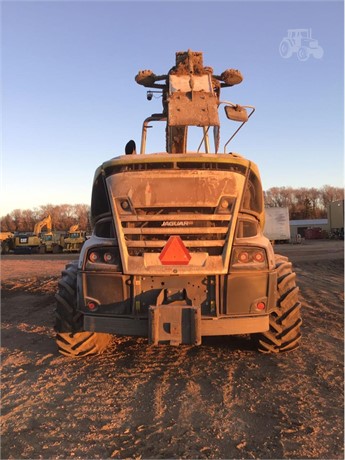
point(70, 101)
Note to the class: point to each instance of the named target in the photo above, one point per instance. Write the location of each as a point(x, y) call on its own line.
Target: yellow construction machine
point(31, 242)
point(74, 240)
point(6, 242)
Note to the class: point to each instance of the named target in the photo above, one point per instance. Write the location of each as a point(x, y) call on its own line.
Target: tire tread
point(71, 339)
point(284, 333)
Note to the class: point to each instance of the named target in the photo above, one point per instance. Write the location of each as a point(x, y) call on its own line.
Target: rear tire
point(70, 337)
point(285, 320)
point(5, 248)
point(57, 249)
point(42, 250)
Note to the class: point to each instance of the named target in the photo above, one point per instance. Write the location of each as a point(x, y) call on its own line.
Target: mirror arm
point(205, 140)
point(237, 130)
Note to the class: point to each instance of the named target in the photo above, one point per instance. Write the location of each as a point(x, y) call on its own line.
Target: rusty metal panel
point(193, 109)
point(186, 83)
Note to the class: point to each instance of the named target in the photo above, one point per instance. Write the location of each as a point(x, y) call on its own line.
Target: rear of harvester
point(177, 253)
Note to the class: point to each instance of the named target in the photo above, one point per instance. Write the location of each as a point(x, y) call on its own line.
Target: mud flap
point(175, 324)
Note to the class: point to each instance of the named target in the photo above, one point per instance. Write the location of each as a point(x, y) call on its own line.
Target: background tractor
point(74, 239)
point(177, 251)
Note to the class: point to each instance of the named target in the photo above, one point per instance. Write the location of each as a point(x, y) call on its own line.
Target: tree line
point(63, 217)
point(303, 203)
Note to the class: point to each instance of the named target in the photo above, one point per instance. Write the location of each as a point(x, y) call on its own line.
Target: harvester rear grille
point(202, 230)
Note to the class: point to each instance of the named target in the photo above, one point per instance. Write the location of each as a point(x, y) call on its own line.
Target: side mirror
point(236, 113)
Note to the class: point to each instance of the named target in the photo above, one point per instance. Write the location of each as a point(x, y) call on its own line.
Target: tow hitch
point(175, 324)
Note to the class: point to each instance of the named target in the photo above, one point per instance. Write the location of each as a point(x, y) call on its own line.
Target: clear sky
point(70, 101)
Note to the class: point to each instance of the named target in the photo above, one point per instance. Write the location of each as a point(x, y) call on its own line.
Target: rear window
point(253, 197)
point(99, 201)
point(246, 228)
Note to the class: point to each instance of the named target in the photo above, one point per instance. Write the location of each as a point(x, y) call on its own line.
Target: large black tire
point(42, 249)
point(285, 321)
point(57, 249)
point(4, 247)
point(70, 337)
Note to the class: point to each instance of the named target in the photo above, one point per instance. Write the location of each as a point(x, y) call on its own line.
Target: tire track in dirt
point(172, 403)
point(316, 366)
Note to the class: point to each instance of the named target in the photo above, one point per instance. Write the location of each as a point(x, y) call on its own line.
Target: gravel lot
point(219, 400)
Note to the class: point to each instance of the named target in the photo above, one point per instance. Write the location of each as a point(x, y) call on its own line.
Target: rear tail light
point(261, 305)
point(259, 256)
point(92, 306)
point(248, 258)
point(108, 256)
point(94, 257)
point(243, 257)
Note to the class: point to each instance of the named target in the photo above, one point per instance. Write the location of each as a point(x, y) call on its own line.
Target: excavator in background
point(38, 242)
point(31, 242)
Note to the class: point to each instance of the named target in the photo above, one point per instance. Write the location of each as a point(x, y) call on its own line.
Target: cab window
point(253, 197)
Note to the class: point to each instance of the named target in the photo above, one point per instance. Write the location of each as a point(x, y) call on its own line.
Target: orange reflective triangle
point(175, 252)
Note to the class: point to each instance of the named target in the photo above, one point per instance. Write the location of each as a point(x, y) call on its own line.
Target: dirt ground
point(219, 400)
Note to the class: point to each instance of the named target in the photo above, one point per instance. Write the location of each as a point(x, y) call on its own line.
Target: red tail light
point(94, 257)
point(109, 256)
point(261, 306)
point(92, 306)
point(243, 257)
point(249, 258)
point(259, 257)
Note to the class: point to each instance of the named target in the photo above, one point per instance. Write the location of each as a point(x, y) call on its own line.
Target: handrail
point(153, 117)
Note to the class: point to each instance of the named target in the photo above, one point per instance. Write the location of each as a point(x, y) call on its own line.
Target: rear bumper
point(176, 309)
point(208, 326)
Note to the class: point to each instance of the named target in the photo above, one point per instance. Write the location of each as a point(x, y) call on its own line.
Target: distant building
point(332, 227)
point(308, 228)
